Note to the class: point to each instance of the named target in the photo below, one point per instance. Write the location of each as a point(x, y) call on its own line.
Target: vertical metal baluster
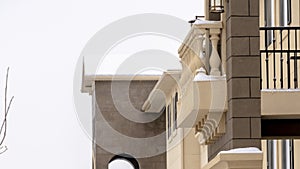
point(281, 61)
point(292, 154)
point(274, 60)
point(288, 61)
point(295, 63)
point(260, 68)
point(267, 58)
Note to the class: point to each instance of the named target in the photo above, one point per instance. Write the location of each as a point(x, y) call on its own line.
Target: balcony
point(280, 71)
point(203, 81)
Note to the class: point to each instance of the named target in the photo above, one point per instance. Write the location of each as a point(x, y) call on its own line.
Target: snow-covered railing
point(203, 78)
point(200, 48)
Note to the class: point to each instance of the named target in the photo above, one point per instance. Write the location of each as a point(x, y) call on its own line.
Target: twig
point(3, 149)
point(6, 110)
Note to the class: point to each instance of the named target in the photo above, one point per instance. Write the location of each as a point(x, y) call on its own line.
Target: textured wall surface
point(116, 102)
point(243, 77)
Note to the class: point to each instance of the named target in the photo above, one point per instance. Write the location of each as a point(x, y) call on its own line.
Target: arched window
point(123, 161)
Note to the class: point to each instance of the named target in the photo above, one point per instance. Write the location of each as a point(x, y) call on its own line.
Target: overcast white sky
point(41, 41)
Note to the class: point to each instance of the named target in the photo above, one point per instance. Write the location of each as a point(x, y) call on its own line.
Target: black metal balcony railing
point(279, 59)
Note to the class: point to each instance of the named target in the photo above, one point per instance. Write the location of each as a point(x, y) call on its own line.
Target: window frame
point(175, 111)
point(269, 18)
point(169, 125)
point(286, 149)
point(271, 154)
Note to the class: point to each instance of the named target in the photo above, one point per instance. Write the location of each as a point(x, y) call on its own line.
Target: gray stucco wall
point(115, 102)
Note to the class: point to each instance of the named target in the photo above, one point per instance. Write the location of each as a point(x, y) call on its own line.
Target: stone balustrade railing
point(203, 78)
point(200, 49)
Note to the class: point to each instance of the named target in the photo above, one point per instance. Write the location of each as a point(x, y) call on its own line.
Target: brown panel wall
point(113, 101)
point(243, 77)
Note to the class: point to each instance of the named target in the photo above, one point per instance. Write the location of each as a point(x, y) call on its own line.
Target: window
point(287, 154)
point(168, 109)
point(269, 18)
point(272, 154)
point(175, 100)
point(285, 150)
point(285, 12)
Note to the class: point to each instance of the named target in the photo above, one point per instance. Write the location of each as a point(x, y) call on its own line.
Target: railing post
point(215, 60)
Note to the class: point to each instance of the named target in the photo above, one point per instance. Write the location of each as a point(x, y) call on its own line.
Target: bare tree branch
point(3, 149)
point(11, 99)
point(6, 110)
point(4, 124)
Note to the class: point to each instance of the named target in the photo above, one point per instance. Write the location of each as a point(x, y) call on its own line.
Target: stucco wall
point(115, 102)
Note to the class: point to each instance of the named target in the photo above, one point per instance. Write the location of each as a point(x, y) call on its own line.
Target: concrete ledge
point(280, 102)
point(205, 94)
point(237, 160)
point(89, 80)
point(159, 94)
point(205, 101)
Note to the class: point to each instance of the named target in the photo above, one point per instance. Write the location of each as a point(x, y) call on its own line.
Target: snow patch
point(242, 150)
point(204, 77)
point(280, 90)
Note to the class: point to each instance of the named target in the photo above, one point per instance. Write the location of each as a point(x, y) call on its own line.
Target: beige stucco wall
point(174, 142)
point(184, 151)
point(280, 102)
point(297, 153)
point(183, 148)
point(175, 151)
point(191, 149)
point(264, 150)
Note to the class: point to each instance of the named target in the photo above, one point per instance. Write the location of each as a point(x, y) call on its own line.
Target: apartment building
point(234, 103)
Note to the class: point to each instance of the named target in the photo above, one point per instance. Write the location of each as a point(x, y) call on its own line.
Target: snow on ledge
point(242, 150)
point(201, 77)
point(208, 22)
point(280, 90)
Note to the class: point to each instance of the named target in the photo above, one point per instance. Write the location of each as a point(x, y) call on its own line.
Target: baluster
point(295, 63)
point(203, 53)
point(207, 49)
point(267, 58)
point(274, 60)
point(281, 61)
point(288, 61)
point(215, 60)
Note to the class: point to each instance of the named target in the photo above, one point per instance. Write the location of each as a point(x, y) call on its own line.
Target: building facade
point(234, 103)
